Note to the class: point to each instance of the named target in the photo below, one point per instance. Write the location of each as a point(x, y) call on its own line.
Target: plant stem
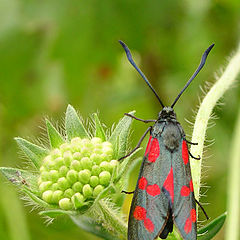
point(204, 114)
point(233, 193)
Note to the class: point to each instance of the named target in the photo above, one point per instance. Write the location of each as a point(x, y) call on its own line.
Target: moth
point(164, 193)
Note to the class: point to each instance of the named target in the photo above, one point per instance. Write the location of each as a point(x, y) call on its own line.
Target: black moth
point(164, 192)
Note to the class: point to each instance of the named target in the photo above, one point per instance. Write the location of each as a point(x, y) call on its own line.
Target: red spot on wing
point(148, 146)
point(169, 184)
point(191, 185)
point(153, 190)
point(185, 191)
point(154, 151)
point(142, 184)
point(139, 213)
point(148, 224)
point(185, 156)
point(193, 215)
point(188, 226)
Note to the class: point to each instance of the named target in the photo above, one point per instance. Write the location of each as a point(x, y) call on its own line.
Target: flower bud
point(57, 195)
point(94, 180)
point(84, 176)
point(76, 165)
point(47, 196)
point(77, 187)
point(87, 191)
point(65, 204)
point(67, 158)
point(68, 193)
point(77, 155)
point(86, 163)
point(63, 171)
point(77, 200)
point(98, 189)
point(54, 175)
point(63, 183)
point(96, 170)
point(44, 186)
point(104, 178)
point(96, 140)
point(72, 176)
point(96, 158)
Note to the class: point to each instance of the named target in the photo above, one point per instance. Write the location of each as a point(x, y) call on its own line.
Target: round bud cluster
point(76, 172)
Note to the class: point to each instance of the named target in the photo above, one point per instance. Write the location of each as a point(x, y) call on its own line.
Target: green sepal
point(54, 136)
point(209, 231)
point(119, 137)
point(33, 152)
point(21, 178)
point(55, 213)
point(126, 165)
point(89, 225)
point(99, 131)
point(73, 125)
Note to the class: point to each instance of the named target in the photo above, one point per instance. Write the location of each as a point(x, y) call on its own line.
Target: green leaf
point(55, 213)
point(99, 132)
point(73, 125)
point(209, 231)
point(119, 137)
point(20, 178)
point(89, 225)
point(54, 136)
point(32, 151)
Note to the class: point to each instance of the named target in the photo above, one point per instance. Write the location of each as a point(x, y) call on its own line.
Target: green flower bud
point(106, 144)
point(56, 153)
point(94, 180)
point(77, 155)
point(85, 151)
point(98, 189)
point(47, 196)
point(96, 170)
point(42, 169)
point(76, 140)
point(67, 158)
point(68, 193)
point(96, 158)
point(59, 161)
point(54, 175)
point(77, 200)
point(84, 176)
point(105, 157)
point(96, 140)
point(57, 195)
point(77, 187)
point(65, 204)
point(63, 171)
point(97, 150)
point(87, 191)
point(108, 151)
point(72, 176)
point(54, 187)
point(104, 178)
point(105, 166)
point(113, 164)
point(63, 183)
point(65, 147)
point(45, 176)
point(46, 160)
point(86, 163)
point(44, 186)
point(76, 165)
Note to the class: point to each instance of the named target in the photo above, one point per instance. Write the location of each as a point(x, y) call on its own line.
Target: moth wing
point(184, 206)
point(150, 206)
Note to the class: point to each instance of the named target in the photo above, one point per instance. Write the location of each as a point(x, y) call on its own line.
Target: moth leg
point(190, 142)
point(196, 158)
point(138, 145)
point(139, 119)
point(127, 192)
point(200, 205)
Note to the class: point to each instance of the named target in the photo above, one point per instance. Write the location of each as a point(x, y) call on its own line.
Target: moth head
point(167, 113)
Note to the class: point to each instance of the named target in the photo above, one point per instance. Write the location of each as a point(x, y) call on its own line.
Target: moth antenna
point(203, 60)
point(130, 59)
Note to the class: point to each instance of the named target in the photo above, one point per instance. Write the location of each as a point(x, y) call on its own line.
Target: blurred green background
point(65, 51)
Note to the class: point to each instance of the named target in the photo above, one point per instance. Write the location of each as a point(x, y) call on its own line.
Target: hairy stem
point(233, 193)
point(204, 114)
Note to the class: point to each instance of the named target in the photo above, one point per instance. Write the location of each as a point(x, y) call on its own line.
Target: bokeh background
point(65, 51)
